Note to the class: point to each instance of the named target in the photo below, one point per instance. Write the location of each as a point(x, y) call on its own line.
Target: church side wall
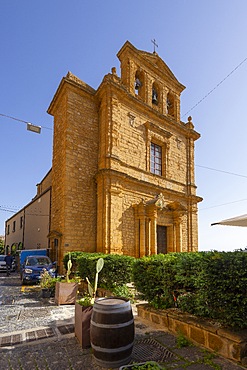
point(58, 164)
point(81, 153)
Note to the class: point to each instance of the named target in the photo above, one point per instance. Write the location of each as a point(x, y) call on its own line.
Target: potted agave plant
point(65, 291)
point(83, 309)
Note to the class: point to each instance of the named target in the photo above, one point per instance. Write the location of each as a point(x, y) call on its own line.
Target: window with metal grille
point(156, 159)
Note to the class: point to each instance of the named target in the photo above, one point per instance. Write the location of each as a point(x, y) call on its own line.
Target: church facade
point(123, 163)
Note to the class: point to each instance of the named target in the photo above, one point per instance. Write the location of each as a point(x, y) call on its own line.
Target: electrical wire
point(21, 120)
point(210, 92)
point(223, 204)
point(7, 209)
point(227, 172)
point(26, 214)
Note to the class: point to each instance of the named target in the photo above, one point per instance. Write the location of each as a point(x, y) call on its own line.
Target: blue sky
point(202, 41)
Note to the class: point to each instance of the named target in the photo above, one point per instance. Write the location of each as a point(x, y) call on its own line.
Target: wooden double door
point(161, 239)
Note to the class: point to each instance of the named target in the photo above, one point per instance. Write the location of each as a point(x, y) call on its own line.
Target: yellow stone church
point(122, 178)
point(123, 163)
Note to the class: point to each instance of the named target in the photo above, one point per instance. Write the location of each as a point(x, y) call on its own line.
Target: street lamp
point(31, 127)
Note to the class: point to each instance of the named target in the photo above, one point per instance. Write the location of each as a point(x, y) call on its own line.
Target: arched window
point(155, 94)
point(20, 246)
point(13, 248)
point(139, 82)
point(170, 104)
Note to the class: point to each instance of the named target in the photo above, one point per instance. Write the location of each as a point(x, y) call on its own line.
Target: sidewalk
point(35, 334)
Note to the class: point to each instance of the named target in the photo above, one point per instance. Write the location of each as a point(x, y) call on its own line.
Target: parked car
point(3, 263)
point(33, 266)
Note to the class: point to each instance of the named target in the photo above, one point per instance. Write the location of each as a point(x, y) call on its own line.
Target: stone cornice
point(125, 177)
point(114, 82)
point(72, 80)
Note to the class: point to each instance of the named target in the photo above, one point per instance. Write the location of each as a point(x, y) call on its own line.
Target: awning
point(235, 221)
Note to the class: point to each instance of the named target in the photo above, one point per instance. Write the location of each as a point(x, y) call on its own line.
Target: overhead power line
point(210, 92)
point(21, 120)
point(8, 210)
point(227, 172)
point(223, 204)
point(26, 213)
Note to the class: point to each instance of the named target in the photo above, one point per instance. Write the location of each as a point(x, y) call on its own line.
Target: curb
point(28, 336)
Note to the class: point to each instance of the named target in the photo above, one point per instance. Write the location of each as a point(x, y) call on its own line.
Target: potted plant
point(83, 309)
point(47, 284)
point(65, 291)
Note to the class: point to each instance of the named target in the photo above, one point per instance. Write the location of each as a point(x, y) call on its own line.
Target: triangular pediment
point(151, 61)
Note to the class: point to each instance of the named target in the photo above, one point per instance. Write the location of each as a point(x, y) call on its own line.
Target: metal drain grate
point(150, 350)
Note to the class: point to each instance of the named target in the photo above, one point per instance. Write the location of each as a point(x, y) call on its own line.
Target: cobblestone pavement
point(35, 334)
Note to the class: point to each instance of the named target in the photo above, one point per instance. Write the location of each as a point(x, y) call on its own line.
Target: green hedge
point(208, 284)
point(154, 278)
point(73, 256)
point(117, 269)
point(222, 288)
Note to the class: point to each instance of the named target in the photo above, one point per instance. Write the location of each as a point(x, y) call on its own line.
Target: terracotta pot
point(82, 324)
point(65, 293)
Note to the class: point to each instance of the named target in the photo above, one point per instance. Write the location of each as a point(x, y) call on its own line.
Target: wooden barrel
point(112, 331)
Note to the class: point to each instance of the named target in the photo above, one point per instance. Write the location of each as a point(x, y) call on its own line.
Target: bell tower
point(148, 78)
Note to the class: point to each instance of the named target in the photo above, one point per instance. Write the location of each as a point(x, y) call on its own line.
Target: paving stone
point(6, 341)
point(224, 364)
point(190, 353)
point(66, 329)
point(30, 336)
point(166, 339)
point(41, 334)
point(16, 339)
point(50, 332)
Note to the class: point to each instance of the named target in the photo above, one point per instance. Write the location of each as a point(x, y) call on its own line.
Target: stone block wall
point(227, 343)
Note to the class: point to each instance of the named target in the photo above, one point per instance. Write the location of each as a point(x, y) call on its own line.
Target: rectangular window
point(21, 222)
point(14, 223)
point(7, 229)
point(156, 159)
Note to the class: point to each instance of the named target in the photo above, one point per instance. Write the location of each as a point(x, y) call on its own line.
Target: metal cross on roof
point(154, 42)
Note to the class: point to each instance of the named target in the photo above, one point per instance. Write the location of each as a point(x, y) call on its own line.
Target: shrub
point(154, 278)
point(123, 291)
point(222, 288)
point(208, 284)
point(74, 256)
point(117, 269)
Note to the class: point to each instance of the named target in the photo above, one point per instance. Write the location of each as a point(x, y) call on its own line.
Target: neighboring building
point(123, 163)
point(1, 244)
point(122, 175)
point(29, 227)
